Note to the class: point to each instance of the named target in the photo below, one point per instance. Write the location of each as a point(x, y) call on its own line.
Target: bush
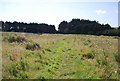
point(15, 39)
point(32, 46)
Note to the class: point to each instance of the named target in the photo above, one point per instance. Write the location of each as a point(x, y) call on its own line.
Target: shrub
point(15, 39)
point(32, 46)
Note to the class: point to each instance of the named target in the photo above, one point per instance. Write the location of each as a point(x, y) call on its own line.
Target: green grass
point(58, 56)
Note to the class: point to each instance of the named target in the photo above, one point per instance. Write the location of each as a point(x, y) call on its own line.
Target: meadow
point(59, 56)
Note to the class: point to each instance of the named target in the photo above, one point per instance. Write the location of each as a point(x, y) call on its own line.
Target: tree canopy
point(30, 28)
point(75, 26)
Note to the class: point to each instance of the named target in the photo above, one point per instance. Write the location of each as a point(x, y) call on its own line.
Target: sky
point(55, 11)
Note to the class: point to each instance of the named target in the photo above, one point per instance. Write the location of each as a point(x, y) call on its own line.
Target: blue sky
point(55, 11)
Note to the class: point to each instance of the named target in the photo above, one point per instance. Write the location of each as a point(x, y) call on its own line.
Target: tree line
point(75, 26)
point(27, 27)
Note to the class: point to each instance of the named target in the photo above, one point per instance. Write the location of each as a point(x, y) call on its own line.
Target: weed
point(48, 50)
point(44, 75)
point(16, 68)
point(86, 42)
point(102, 62)
point(88, 56)
point(117, 58)
point(23, 75)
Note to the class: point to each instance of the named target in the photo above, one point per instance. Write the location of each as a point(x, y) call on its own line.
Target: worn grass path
point(66, 68)
point(57, 58)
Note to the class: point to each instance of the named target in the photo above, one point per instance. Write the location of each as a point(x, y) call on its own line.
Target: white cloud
point(101, 11)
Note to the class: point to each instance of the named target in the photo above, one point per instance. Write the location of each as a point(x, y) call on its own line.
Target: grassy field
point(58, 56)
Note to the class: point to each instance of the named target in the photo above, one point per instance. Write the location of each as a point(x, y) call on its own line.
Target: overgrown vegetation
point(15, 39)
point(58, 56)
point(117, 57)
point(32, 46)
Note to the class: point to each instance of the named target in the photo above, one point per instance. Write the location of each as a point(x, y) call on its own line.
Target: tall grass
point(57, 56)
